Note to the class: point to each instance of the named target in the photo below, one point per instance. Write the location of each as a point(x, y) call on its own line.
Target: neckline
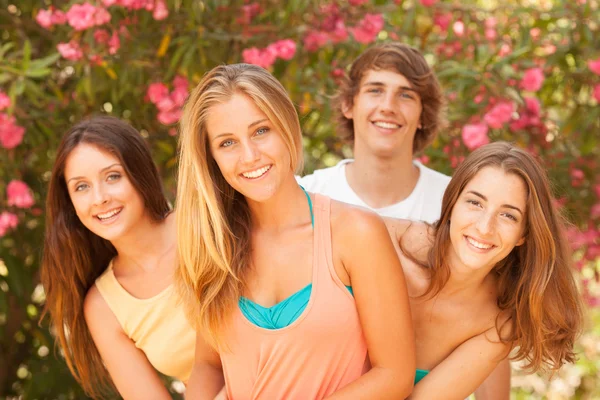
point(410, 198)
point(311, 300)
point(111, 274)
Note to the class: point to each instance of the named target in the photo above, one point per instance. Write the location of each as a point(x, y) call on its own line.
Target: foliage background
point(525, 71)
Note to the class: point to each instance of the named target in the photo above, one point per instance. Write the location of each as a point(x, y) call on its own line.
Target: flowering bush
point(526, 71)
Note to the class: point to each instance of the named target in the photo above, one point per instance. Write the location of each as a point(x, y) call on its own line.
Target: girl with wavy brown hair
point(492, 275)
point(108, 264)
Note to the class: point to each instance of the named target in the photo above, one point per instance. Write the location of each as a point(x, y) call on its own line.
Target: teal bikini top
point(421, 373)
point(285, 312)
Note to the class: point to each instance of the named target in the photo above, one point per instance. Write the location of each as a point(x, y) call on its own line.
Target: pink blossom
point(532, 104)
point(101, 16)
point(250, 11)
point(7, 221)
point(264, 58)
point(70, 51)
point(491, 34)
point(339, 33)
point(594, 66)
point(532, 79)
point(114, 44)
point(505, 50)
point(180, 82)
point(428, 3)
point(443, 21)
point(11, 134)
point(475, 135)
point(535, 33)
point(44, 18)
point(169, 117)
point(19, 194)
point(81, 16)
point(596, 93)
point(59, 17)
point(499, 114)
point(165, 104)
point(459, 28)
point(108, 3)
point(314, 40)
point(157, 91)
point(179, 95)
point(160, 10)
point(284, 49)
point(368, 28)
point(595, 211)
point(101, 36)
point(597, 190)
point(4, 101)
point(357, 2)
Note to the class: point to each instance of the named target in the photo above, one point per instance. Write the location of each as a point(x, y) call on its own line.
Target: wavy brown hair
point(536, 287)
point(405, 60)
point(213, 219)
point(74, 257)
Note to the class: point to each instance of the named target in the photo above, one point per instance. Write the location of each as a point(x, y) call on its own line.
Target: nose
point(101, 195)
point(388, 103)
point(485, 224)
point(250, 153)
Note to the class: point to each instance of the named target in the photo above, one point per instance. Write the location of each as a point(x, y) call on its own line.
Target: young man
point(390, 108)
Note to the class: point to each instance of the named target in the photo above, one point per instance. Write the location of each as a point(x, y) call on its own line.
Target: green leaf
point(44, 62)
point(26, 55)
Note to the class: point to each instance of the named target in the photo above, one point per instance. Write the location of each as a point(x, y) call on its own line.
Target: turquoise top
point(421, 373)
point(285, 312)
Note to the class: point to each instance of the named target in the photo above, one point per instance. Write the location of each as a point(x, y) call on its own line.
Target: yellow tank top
point(157, 325)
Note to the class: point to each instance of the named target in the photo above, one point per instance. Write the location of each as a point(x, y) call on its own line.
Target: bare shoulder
point(347, 220)
point(96, 309)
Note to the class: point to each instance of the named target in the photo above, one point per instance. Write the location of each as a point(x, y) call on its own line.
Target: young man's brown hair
point(405, 60)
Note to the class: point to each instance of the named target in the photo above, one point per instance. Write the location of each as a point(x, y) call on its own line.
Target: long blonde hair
point(213, 220)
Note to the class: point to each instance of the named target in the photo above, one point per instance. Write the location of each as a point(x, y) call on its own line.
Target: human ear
point(346, 110)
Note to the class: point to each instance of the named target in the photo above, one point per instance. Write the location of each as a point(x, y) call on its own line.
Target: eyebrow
point(260, 121)
point(377, 83)
point(503, 205)
point(102, 170)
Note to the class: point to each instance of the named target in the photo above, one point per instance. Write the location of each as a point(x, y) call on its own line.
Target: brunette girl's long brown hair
point(535, 281)
point(74, 257)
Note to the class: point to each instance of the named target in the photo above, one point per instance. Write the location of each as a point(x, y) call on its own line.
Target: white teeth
point(478, 244)
point(109, 214)
point(256, 173)
point(386, 125)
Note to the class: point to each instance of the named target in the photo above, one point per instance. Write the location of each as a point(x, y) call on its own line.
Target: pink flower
point(315, 40)
point(459, 28)
point(180, 82)
point(44, 18)
point(101, 36)
point(284, 49)
point(169, 117)
point(160, 10)
point(264, 58)
point(7, 221)
point(532, 105)
point(357, 2)
point(165, 104)
point(532, 79)
point(595, 211)
point(339, 33)
point(475, 135)
point(114, 44)
point(70, 51)
point(11, 134)
point(108, 3)
point(101, 16)
point(179, 95)
point(594, 66)
point(58, 17)
point(596, 93)
point(368, 28)
point(81, 16)
point(157, 91)
point(499, 114)
point(4, 101)
point(505, 50)
point(597, 190)
point(443, 21)
point(19, 194)
point(250, 11)
point(428, 3)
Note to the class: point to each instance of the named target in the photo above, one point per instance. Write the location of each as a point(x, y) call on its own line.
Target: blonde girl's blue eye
point(227, 143)
point(262, 131)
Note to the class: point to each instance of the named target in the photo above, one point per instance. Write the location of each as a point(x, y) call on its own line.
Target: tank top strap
point(113, 294)
point(325, 278)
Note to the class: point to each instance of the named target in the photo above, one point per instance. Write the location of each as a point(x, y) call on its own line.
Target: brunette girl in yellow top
point(109, 258)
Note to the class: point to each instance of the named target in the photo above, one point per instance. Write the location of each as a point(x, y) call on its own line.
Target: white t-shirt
point(423, 204)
